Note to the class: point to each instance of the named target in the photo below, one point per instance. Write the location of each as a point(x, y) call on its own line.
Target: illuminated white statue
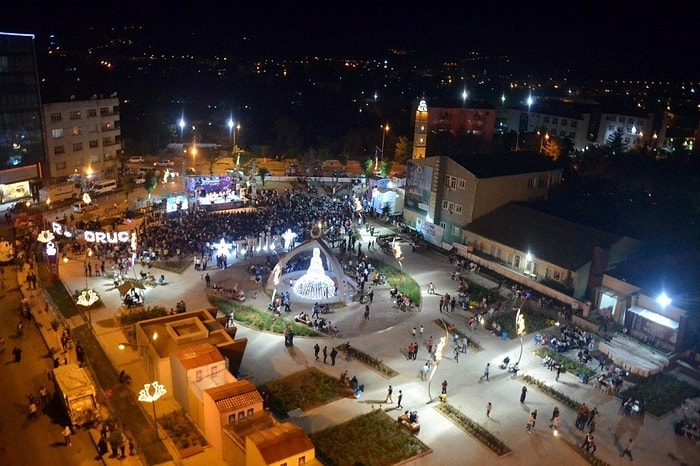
point(315, 284)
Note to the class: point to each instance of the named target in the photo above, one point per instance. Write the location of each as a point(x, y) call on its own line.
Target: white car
point(140, 180)
point(136, 159)
point(164, 163)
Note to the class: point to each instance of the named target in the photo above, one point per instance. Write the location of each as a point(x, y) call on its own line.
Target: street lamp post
point(385, 129)
point(88, 255)
point(181, 124)
point(439, 354)
point(150, 393)
point(544, 137)
point(520, 330)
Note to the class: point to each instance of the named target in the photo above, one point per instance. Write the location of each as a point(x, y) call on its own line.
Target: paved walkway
point(385, 335)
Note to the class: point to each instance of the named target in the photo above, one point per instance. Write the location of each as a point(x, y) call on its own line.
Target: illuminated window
point(76, 131)
point(57, 133)
point(95, 158)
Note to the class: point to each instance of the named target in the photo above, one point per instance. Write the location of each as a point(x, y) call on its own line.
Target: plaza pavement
point(385, 336)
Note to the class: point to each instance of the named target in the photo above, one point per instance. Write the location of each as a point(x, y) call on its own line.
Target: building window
point(573, 124)
point(61, 165)
point(56, 117)
point(455, 230)
point(516, 262)
point(95, 158)
point(94, 143)
point(59, 150)
point(250, 412)
point(106, 141)
point(556, 275)
point(458, 209)
point(115, 109)
point(75, 115)
point(92, 113)
point(462, 183)
point(443, 225)
point(214, 370)
point(444, 204)
point(302, 460)
point(104, 111)
point(76, 131)
point(77, 146)
point(231, 418)
point(542, 181)
point(241, 415)
point(198, 375)
point(57, 133)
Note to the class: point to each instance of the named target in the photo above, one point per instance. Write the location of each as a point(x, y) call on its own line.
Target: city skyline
point(597, 39)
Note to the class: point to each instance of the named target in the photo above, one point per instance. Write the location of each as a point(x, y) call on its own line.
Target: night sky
point(624, 38)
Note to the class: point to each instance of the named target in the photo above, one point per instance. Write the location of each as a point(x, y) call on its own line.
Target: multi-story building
point(83, 139)
point(588, 124)
point(443, 196)
point(473, 118)
point(21, 143)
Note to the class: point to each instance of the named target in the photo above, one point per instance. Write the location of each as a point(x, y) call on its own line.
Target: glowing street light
point(150, 393)
point(439, 354)
point(181, 124)
point(464, 97)
point(385, 129)
point(520, 330)
point(663, 300)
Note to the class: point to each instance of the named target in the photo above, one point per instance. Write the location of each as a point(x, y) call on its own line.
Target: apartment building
point(83, 139)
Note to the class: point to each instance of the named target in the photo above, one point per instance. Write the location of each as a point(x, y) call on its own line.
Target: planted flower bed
point(551, 392)
point(567, 364)
point(472, 428)
point(661, 394)
point(374, 364)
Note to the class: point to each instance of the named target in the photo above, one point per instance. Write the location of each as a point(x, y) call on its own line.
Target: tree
point(403, 150)
point(151, 182)
point(212, 156)
point(263, 172)
point(128, 183)
point(614, 142)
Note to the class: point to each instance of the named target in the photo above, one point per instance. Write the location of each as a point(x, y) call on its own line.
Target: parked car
point(80, 207)
point(140, 180)
point(164, 163)
point(138, 159)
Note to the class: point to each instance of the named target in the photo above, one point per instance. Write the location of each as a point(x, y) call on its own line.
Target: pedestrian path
point(385, 336)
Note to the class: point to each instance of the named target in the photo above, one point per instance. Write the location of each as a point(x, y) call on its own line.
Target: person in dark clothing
point(334, 353)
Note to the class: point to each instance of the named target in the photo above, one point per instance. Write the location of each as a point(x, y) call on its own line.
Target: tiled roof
point(235, 396)
point(281, 442)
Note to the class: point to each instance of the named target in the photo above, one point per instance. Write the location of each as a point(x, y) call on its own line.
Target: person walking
point(486, 372)
point(388, 398)
point(425, 371)
point(317, 349)
point(554, 421)
point(421, 330)
point(415, 350)
point(430, 344)
point(523, 394)
point(366, 316)
point(398, 401)
point(586, 442)
point(334, 353)
point(413, 332)
point(530, 422)
point(488, 409)
point(592, 419)
point(465, 343)
point(534, 418)
point(444, 387)
point(628, 450)
point(558, 373)
point(457, 351)
point(66, 435)
point(325, 354)
point(207, 279)
point(431, 288)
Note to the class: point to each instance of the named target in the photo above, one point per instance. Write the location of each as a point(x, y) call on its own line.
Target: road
point(25, 440)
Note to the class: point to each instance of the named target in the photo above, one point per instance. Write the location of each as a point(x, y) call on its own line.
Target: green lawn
point(373, 439)
point(661, 393)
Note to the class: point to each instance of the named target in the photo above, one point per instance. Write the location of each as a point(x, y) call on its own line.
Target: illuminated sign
point(104, 237)
point(50, 249)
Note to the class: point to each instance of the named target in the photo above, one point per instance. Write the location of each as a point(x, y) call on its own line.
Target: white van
point(104, 186)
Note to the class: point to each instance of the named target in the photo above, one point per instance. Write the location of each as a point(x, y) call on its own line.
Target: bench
point(412, 427)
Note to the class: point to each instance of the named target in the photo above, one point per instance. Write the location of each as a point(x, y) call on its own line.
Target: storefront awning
point(654, 317)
